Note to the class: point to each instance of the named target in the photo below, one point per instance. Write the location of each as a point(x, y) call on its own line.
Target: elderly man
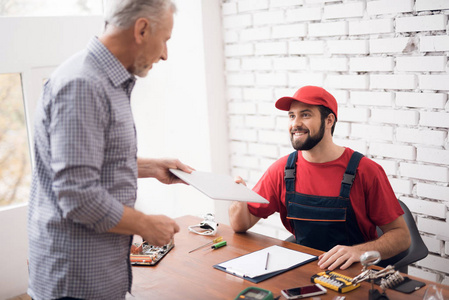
point(330, 197)
point(81, 216)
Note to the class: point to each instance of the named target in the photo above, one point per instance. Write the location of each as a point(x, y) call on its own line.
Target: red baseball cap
point(312, 95)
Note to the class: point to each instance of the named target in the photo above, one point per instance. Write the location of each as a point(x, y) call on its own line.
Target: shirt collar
point(112, 66)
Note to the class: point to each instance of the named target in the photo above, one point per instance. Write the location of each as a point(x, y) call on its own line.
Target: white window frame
point(32, 47)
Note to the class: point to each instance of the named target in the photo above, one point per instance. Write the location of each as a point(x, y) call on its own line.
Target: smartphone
point(304, 291)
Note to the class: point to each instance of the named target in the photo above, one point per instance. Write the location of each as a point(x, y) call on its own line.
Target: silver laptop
point(219, 186)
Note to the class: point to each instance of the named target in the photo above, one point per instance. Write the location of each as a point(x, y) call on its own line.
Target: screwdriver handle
point(218, 239)
point(219, 245)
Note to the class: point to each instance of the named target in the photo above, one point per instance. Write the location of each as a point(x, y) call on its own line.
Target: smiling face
point(305, 125)
point(154, 44)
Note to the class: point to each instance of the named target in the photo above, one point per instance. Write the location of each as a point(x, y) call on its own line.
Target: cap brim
point(284, 103)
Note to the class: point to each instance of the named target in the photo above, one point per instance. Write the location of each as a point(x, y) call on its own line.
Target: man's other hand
point(158, 230)
point(343, 256)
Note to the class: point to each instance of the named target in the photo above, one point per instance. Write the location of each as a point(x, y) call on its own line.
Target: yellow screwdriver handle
point(218, 239)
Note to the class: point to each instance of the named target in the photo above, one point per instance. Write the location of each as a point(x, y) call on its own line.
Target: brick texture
point(386, 62)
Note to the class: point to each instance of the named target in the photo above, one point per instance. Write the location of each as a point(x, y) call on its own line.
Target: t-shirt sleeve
point(381, 204)
point(270, 186)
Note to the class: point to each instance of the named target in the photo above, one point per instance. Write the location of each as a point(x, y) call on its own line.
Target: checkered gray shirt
point(86, 170)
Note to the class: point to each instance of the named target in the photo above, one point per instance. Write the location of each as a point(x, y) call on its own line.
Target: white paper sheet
point(253, 264)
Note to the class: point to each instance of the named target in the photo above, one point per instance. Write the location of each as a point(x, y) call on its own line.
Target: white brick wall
point(371, 26)
point(390, 45)
point(421, 100)
point(385, 7)
point(421, 23)
point(385, 61)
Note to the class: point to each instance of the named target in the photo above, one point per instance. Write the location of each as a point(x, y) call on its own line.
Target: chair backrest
point(415, 252)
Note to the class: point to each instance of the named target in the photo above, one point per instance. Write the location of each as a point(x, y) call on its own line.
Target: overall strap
point(349, 176)
point(290, 172)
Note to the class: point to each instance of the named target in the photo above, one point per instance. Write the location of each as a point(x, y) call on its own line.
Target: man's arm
point(239, 216)
point(157, 230)
point(396, 238)
point(159, 168)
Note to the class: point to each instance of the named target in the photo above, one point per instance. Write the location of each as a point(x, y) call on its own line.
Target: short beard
point(139, 67)
point(310, 142)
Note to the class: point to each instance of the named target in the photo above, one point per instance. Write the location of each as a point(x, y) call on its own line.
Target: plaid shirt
point(86, 170)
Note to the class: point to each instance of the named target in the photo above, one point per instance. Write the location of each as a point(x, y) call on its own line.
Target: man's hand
point(158, 230)
point(340, 255)
point(239, 216)
point(239, 180)
point(159, 168)
point(396, 238)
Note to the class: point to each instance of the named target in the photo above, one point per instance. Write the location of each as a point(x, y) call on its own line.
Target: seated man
point(322, 206)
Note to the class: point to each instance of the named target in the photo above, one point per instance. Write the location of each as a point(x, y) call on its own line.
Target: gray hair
point(123, 13)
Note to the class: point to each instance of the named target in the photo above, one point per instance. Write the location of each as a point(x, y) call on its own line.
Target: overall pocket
point(318, 227)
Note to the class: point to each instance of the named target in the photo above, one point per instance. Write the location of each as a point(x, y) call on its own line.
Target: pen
point(266, 263)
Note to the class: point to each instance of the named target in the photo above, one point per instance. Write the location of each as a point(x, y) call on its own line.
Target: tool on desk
point(218, 245)
point(218, 239)
point(387, 278)
point(335, 281)
point(254, 293)
point(368, 259)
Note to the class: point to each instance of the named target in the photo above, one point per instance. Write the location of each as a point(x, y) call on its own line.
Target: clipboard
point(251, 266)
point(219, 186)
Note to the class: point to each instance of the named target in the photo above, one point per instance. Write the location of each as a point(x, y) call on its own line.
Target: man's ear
point(141, 29)
point(330, 120)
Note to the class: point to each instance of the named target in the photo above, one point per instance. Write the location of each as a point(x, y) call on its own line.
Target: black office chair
point(417, 250)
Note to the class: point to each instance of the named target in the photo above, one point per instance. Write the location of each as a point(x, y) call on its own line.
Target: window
point(50, 7)
point(21, 78)
point(15, 166)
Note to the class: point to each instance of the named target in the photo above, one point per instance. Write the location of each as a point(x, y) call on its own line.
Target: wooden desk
point(183, 275)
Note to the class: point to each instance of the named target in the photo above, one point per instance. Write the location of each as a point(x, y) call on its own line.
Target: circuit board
point(148, 255)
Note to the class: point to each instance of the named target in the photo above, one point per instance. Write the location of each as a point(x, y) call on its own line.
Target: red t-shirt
point(372, 197)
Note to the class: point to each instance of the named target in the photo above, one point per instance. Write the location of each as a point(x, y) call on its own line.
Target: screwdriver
point(218, 239)
point(218, 245)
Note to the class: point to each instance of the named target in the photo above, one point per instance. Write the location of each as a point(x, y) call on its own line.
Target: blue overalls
point(322, 222)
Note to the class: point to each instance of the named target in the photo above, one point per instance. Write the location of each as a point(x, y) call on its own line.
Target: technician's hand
point(343, 256)
point(239, 179)
point(158, 230)
point(159, 168)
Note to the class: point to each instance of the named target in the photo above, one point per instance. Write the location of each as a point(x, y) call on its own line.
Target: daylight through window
point(15, 166)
